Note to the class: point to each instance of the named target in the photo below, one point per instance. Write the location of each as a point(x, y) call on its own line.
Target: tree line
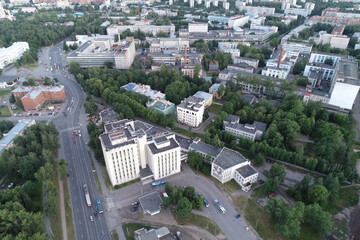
point(31, 162)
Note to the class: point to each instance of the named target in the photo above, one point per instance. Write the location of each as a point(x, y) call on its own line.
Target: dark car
point(238, 216)
point(261, 181)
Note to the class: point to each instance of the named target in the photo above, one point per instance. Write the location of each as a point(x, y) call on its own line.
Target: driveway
point(232, 228)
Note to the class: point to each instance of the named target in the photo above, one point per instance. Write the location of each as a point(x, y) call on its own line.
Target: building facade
point(198, 27)
point(33, 97)
point(12, 53)
point(130, 147)
point(190, 111)
point(250, 131)
point(229, 165)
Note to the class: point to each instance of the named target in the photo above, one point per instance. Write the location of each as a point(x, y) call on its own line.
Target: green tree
point(183, 208)
point(315, 216)
point(332, 184)
point(318, 194)
point(189, 193)
point(271, 185)
point(278, 171)
point(62, 166)
point(329, 61)
point(74, 68)
point(195, 160)
point(197, 70)
point(259, 159)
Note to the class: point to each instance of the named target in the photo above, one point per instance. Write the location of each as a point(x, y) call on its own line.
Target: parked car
point(11, 185)
point(260, 181)
point(238, 216)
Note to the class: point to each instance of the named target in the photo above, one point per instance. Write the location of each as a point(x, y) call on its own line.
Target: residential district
point(179, 119)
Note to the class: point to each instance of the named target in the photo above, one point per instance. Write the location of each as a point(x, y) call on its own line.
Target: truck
point(87, 195)
point(221, 208)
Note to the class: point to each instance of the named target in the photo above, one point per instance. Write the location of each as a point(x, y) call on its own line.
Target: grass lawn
point(55, 221)
point(4, 111)
point(347, 197)
point(260, 220)
point(95, 173)
point(114, 235)
point(129, 229)
point(4, 92)
point(105, 176)
point(200, 221)
point(68, 212)
point(187, 133)
point(32, 66)
point(127, 183)
point(228, 187)
point(215, 108)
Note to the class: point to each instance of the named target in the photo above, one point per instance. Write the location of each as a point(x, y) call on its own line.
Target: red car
point(271, 194)
point(74, 141)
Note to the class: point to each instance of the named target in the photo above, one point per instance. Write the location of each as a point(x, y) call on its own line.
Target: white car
point(91, 218)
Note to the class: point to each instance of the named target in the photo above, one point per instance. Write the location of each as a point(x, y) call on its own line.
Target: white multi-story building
point(207, 3)
point(115, 29)
point(257, 10)
point(317, 57)
point(229, 47)
point(6, 14)
point(171, 2)
point(190, 111)
point(258, 20)
point(310, 5)
point(215, 3)
point(169, 45)
point(12, 53)
point(298, 11)
point(336, 41)
point(199, 1)
point(226, 5)
point(302, 48)
point(134, 149)
point(275, 72)
point(198, 27)
point(191, 3)
point(238, 21)
point(97, 52)
point(230, 164)
point(250, 131)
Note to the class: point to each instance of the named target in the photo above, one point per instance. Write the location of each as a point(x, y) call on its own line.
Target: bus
point(87, 195)
point(99, 206)
point(158, 183)
point(221, 208)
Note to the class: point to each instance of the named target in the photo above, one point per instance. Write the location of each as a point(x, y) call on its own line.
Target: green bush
point(295, 194)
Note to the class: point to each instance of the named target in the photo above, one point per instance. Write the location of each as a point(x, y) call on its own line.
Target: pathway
point(62, 209)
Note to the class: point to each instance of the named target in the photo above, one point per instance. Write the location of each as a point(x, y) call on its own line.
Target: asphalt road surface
point(76, 154)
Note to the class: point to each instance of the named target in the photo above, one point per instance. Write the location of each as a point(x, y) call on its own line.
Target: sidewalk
point(62, 209)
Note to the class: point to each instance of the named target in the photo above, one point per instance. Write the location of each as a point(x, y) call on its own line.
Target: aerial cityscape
point(179, 119)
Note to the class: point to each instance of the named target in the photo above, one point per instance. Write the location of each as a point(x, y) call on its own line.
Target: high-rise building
point(190, 111)
point(134, 149)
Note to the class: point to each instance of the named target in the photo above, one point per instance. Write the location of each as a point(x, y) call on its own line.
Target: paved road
point(233, 228)
point(76, 154)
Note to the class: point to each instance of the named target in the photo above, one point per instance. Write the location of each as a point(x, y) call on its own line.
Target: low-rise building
point(206, 96)
point(252, 62)
point(115, 29)
point(33, 97)
point(169, 45)
point(238, 21)
point(257, 10)
point(298, 11)
point(190, 111)
point(275, 72)
point(189, 70)
point(318, 57)
point(302, 48)
point(145, 90)
point(152, 234)
point(229, 165)
point(204, 149)
point(8, 138)
point(229, 47)
point(198, 27)
point(335, 41)
point(250, 131)
point(130, 147)
point(11, 54)
point(160, 58)
point(214, 90)
point(214, 66)
point(162, 106)
point(241, 67)
point(98, 52)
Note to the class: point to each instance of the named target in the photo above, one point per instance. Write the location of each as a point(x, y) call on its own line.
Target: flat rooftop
point(229, 158)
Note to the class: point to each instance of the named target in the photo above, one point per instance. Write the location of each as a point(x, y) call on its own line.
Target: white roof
point(344, 95)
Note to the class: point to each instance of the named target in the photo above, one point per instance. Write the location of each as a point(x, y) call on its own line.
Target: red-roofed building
point(33, 97)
